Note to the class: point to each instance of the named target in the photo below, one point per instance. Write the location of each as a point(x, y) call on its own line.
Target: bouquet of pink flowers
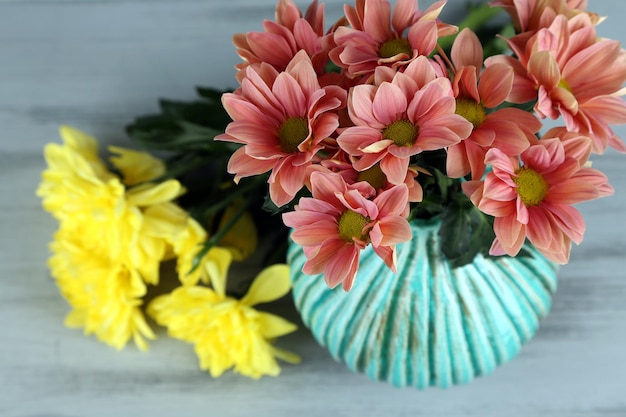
point(372, 123)
point(389, 115)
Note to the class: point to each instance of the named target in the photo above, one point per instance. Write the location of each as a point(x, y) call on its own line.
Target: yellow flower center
point(374, 176)
point(472, 112)
point(292, 133)
point(531, 186)
point(351, 226)
point(395, 47)
point(565, 85)
point(401, 132)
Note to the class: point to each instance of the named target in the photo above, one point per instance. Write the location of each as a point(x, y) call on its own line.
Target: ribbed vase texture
point(428, 324)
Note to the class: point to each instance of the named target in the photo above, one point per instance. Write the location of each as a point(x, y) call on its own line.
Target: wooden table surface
point(97, 64)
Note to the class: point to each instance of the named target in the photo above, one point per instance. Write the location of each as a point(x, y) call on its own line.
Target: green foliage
point(184, 126)
point(483, 20)
point(465, 231)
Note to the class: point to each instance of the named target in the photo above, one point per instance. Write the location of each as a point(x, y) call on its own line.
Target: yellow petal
point(78, 140)
point(271, 284)
point(68, 163)
point(150, 194)
point(142, 326)
point(75, 319)
point(217, 263)
point(242, 238)
point(285, 355)
point(135, 166)
point(140, 342)
point(84, 146)
point(272, 326)
point(166, 221)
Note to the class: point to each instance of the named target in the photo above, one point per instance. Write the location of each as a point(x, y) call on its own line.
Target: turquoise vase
point(428, 324)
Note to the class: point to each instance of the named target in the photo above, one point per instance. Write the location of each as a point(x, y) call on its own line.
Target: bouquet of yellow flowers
point(337, 140)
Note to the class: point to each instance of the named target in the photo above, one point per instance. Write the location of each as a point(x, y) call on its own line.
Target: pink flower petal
point(342, 267)
point(569, 220)
point(390, 231)
point(423, 36)
point(501, 163)
point(354, 139)
point(305, 37)
point(495, 84)
point(272, 47)
point(544, 68)
point(496, 189)
point(539, 228)
point(325, 252)
point(378, 147)
point(388, 255)
point(457, 164)
point(318, 206)
point(314, 234)
point(354, 201)
point(394, 168)
point(509, 137)
point(467, 50)
point(389, 103)
point(360, 106)
point(290, 95)
point(326, 185)
point(524, 89)
point(376, 21)
point(598, 179)
point(497, 208)
point(392, 202)
point(301, 69)
point(292, 178)
point(510, 233)
point(239, 108)
point(243, 165)
point(403, 15)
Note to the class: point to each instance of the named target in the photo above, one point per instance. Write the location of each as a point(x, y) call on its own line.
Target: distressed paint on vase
point(428, 324)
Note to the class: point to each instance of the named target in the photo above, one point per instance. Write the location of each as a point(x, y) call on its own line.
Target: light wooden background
point(95, 65)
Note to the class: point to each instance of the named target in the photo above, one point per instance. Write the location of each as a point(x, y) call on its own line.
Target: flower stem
point(227, 198)
point(214, 240)
point(475, 20)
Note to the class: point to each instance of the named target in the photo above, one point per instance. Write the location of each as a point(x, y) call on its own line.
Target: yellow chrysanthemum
point(242, 238)
point(83, 195)
point(105, 296)
point(136, 167)
point(186, 246)
point(240, 241)
point(126, 231)
point(229, 333)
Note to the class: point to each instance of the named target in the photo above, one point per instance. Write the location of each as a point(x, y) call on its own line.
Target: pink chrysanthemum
point(534, 199)
point(477, 95)
point(532, 15)
point(376, 37)
point(565, 68)
point(282, 39)
point(337, 222)
point(372, 180)
point(395, 120)
point(281, 119)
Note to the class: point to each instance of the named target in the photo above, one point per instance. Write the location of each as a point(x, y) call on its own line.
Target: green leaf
point(437, 188)
point(477, 18)
point(184, 125)
point(270, 207)
point(465, 231)
point(210, 93)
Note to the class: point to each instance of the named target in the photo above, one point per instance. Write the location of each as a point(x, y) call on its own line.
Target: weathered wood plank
point(97, 64)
